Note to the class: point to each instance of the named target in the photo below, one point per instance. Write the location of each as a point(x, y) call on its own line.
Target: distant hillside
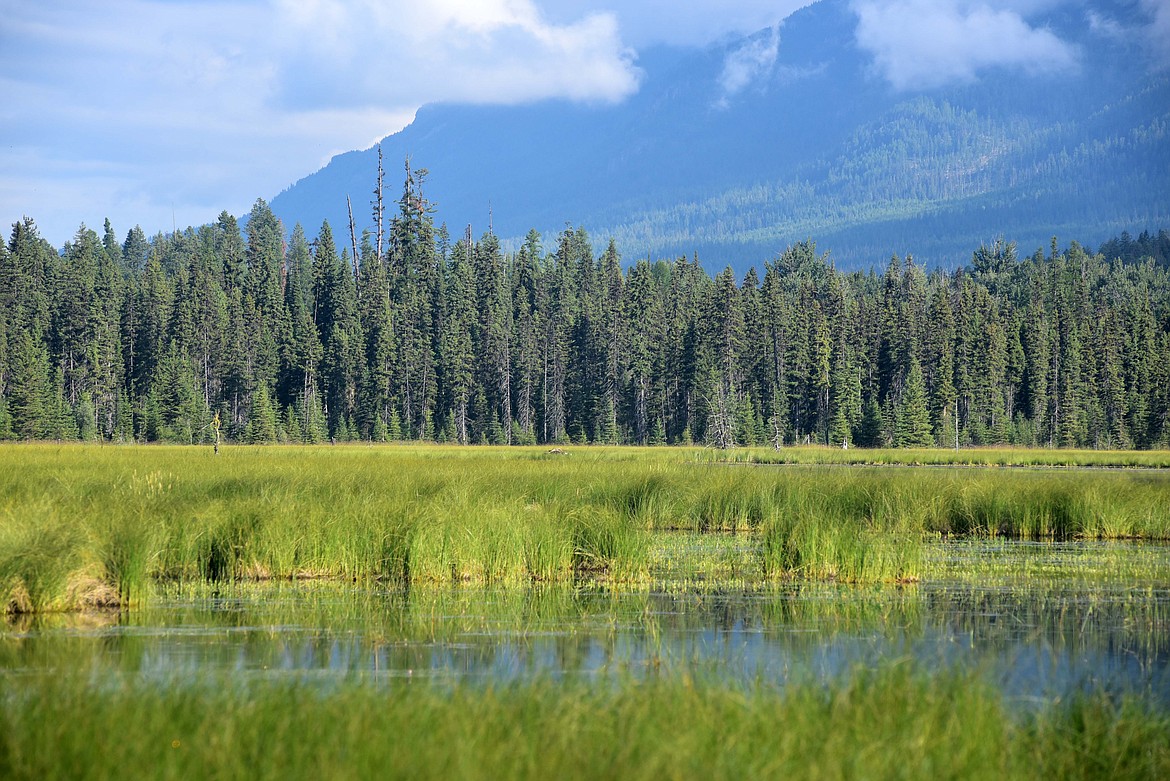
point(823, 148)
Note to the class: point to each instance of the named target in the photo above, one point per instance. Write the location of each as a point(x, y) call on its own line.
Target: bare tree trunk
point(641, 424)
point(378, 208)
point(352, 238)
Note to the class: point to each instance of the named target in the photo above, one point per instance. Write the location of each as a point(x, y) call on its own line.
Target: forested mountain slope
point(817, 146)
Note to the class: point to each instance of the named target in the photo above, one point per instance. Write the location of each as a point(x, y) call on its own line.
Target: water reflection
point(1039, 640)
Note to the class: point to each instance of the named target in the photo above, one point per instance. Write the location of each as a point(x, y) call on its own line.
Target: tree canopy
point(308, 341)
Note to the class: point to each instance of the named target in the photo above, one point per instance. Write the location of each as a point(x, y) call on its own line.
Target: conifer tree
point(494, 333)
point(28, 388)
point(336, 310)
point(527, 324)
point(643, 310)
point(458, 354)
point(912, 421)
point(262, 418)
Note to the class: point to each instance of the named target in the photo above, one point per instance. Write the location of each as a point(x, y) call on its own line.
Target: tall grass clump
point(548, 545)
point(801, 541)
point(605, 542)
point(39, 553)
point(650, 500)
point(1046, 458)
point(1058, 506)
point(128, 535)
point(731, 501)
point(128, 549)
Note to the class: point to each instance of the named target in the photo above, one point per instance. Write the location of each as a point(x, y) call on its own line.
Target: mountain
point(818, 146)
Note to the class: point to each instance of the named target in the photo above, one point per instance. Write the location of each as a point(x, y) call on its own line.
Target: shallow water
point(1042, 620)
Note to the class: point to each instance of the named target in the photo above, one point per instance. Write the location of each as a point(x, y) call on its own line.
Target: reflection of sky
point(1035, 645)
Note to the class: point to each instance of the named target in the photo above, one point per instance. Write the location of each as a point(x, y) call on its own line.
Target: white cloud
point(134, 109)
point(751, 62)
point(490, 51)
point(1157, 32)
point(920, 44)
point(1106, 26)
point(685, 23)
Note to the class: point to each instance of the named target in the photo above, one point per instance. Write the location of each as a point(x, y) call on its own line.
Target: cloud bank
point(1157, 32)
point(921, 44)
point(165, 112)
point(686, 23)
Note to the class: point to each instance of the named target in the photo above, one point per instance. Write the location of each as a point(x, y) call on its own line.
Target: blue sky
point(165, 112)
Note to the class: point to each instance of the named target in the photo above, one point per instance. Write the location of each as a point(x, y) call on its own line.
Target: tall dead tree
point(379, 209)
point(352, 237)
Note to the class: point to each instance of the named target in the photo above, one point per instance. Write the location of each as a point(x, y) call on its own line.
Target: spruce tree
point(912, 418)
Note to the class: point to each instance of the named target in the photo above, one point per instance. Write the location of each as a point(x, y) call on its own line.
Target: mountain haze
point(738, 150)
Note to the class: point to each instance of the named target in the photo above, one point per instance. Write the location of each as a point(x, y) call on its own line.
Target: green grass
point(893, 722)
point(979, 456)
point(88, 525)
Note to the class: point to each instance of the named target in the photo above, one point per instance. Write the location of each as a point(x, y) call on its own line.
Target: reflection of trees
point(485, 634)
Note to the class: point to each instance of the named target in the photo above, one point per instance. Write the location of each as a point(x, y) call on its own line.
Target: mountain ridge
point(821, 148)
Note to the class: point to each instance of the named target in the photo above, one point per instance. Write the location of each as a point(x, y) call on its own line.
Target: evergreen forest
point(403, 333)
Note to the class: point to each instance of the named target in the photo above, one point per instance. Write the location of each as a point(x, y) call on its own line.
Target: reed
point(798, 543)
point(39, 555)
point(131, 517)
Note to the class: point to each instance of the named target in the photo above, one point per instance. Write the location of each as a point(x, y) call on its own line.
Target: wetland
point(438, 612)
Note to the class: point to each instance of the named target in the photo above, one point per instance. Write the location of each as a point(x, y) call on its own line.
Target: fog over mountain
point(872, 128)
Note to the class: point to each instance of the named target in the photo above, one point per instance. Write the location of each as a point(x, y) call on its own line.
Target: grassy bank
point(892, 723)
point(100, 525)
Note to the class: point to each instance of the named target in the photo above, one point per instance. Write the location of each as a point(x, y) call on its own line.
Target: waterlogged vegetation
point(328, 679)
point(427, 611)
point(88, 526)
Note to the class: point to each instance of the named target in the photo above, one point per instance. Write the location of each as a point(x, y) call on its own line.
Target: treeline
point(1146, 245)
point(416, 336)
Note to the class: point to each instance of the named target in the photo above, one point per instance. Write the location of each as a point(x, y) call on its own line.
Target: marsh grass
point(893, 722)
point(39, 553)
point(978, 456)
point(606, 542)
point(134, 516)
point(796, 545)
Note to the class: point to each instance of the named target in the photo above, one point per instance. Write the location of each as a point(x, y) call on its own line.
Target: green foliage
point(451, 514)
point(898, 721)
point(469, 344)
point(39, 551)
point(912, 421)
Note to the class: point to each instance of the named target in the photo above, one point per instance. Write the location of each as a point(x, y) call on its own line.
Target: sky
point(163, 113)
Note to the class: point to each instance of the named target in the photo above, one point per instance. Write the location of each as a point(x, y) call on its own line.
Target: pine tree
point(458, 354)
point(28, 388)
point(527, 324)
point(776, 314)
point(612, 343)
point(336, 315)
point(262, 418)
point(60, 417)
point(939, 368)
point(26, 280)
point(413, 272)
point(912, 420)
point(643, 311)
point(493, 335)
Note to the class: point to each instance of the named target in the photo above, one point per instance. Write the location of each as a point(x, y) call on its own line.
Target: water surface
point(1043, 620)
